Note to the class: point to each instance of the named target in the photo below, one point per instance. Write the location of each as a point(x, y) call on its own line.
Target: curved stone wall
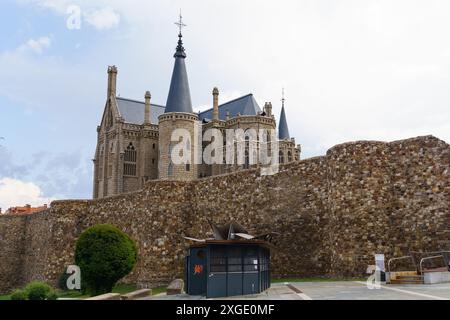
point(333, 212)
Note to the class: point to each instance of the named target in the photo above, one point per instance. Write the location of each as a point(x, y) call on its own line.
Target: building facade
point(135, 138)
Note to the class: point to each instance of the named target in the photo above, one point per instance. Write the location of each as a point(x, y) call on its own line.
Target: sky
point(352, 70)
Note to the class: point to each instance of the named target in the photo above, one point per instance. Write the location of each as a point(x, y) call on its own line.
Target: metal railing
point(399, 258)
point(429, 258)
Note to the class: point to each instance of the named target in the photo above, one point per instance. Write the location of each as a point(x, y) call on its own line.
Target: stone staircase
point(408, 279)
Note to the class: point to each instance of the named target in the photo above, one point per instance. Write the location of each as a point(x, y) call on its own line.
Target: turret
point(147, 118)
point(112, 81)
point(215, 104)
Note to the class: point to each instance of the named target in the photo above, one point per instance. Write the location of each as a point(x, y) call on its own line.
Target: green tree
point(38, 290)
point(105, 255)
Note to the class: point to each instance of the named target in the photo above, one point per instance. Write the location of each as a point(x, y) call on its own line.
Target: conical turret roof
point(179, 98)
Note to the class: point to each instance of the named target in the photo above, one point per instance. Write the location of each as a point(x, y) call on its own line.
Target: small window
point(154, 146)
point(170, 170)
point(188, 167)
point(281, 157)
point(129, 166)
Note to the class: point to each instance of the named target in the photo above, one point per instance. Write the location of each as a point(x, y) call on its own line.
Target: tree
point(105, 255)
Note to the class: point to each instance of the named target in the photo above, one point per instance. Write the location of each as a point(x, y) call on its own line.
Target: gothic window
point(289, 156)
point(170, 170)
point(188, 166)
point(130, 158)
point(280, 157)
point(247, 160)
point(154, 146)
point(110, 119)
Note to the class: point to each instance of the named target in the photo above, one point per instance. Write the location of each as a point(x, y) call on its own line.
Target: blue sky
point(353, 70)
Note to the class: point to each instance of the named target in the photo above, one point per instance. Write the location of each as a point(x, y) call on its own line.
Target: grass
point(158, 290)
point(5, 297)
point(316, 279)
point(74, 294)
point(124, 288)
point(119, 288)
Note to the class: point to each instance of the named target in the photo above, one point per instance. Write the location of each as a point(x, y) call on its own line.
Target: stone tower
point(178, 126)
point(288, 150)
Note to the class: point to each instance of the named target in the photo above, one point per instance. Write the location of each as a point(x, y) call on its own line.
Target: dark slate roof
point(132, 111)
point(246, 106)
point(283, 131)
point(179, 98)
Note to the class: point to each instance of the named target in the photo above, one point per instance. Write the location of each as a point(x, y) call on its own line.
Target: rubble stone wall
point(332, 212)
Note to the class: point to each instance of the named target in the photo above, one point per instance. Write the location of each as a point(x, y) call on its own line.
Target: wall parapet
point(333, 213)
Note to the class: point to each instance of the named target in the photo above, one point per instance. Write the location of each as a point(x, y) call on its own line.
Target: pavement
point(338, 290)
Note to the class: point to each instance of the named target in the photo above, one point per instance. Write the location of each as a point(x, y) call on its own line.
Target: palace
point(134, 137)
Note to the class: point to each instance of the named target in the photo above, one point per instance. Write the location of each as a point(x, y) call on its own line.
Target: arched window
point(280, 157)
point(170, 169)
point(289, 156)
point(130, 158)
point(110, 119)
point(247, 160)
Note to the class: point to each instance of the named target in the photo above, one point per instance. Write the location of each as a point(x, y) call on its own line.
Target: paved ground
point(340, 290)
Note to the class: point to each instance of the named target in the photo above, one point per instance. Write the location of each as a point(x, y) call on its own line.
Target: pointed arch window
point(130, 159)
point(289, 156)
point(247, 160)
point(110, 119)
point(280, 157)
point(170, 169)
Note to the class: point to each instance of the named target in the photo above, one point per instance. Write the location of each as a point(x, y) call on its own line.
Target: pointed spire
point(283, 130)
point(180, 49)
point(179, 99)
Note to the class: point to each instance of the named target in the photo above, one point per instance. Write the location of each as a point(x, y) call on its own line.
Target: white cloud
point(103, 19)
point(15, 192)
point(352, 70)
point(36, 45)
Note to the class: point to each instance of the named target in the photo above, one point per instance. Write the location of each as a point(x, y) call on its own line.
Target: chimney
point(148, 96)
point(112, 81)
point(215, 104)
point(268, 109)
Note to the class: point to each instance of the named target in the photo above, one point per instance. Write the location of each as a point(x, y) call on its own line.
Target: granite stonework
point(332, 212)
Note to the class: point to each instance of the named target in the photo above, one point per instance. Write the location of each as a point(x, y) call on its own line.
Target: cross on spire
point(282, 97)
point(180, 23)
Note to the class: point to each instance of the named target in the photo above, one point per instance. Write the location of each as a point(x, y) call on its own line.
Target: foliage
point(38, 290)
point(19, 294)
point(62, 281)
point(105, 255)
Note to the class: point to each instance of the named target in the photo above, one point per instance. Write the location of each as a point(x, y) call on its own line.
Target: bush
point(105, 255)
point(62, 281)
point(19, 295)
point(38, 290)
point(52, 295)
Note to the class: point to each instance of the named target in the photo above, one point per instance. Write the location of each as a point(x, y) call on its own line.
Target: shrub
point(38, 290)
point(52, 295)
point(62, 281)
point(19, 295)
point(105, 255)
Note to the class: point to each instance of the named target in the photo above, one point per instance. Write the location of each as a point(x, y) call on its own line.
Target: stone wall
point(333, 212)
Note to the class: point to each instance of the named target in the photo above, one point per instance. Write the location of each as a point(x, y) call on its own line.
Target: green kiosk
point(230, 264)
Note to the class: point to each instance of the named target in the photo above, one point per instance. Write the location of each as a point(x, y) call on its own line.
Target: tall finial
point(180, 24)
point(180, 49)
point(282, 97)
